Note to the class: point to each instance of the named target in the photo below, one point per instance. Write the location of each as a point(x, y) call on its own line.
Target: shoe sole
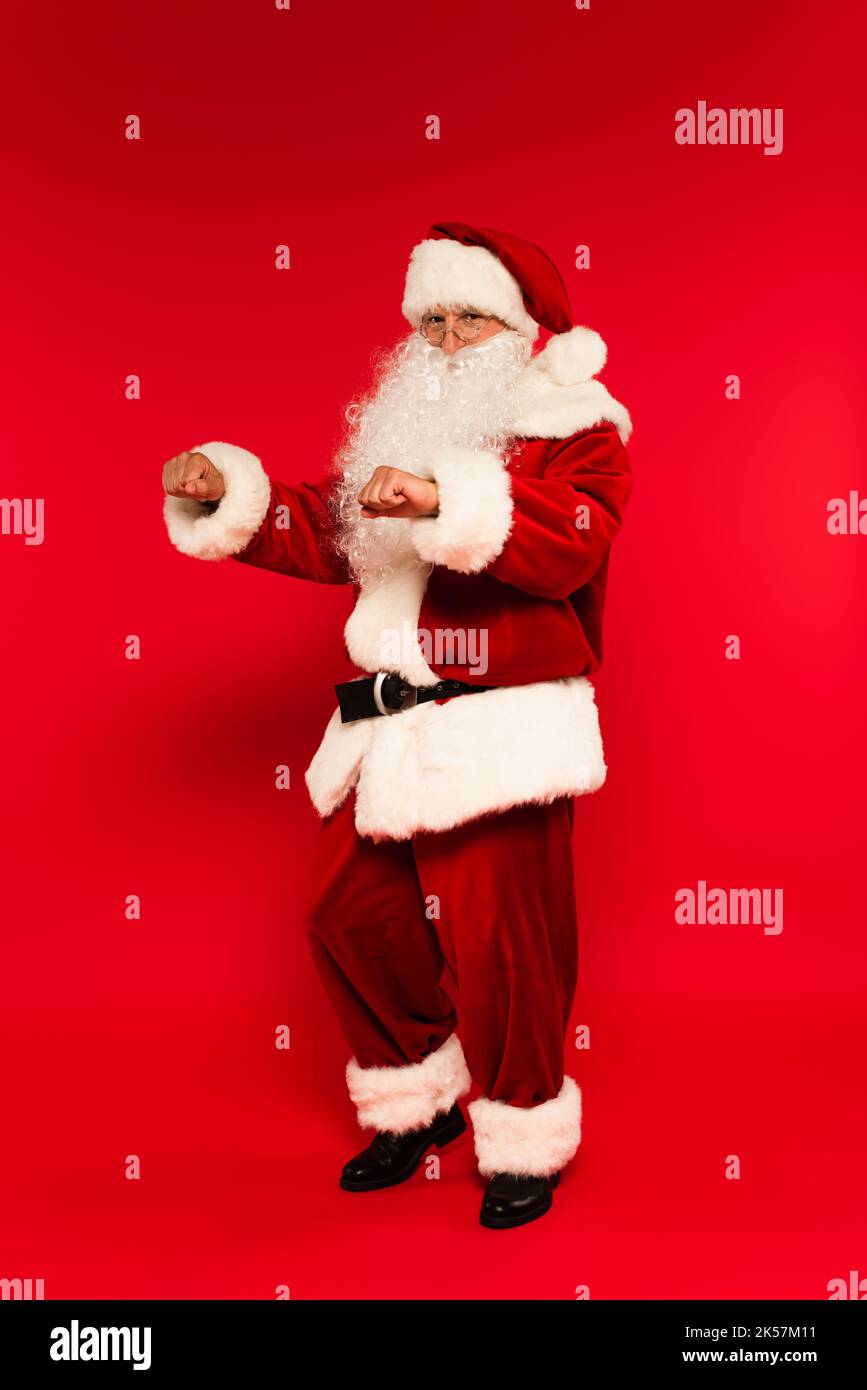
point(447, 1137)
point(505, 1223)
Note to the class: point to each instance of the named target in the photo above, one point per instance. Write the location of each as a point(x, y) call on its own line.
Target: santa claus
point(471, 507)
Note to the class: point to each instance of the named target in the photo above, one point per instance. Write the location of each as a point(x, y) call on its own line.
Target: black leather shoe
point(392, 1158)
point(513, 1201)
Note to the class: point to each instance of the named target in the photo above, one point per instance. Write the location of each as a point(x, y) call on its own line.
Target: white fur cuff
point(533, 1142)
point(475, 511)
point(399, 1099)
point(212, 535)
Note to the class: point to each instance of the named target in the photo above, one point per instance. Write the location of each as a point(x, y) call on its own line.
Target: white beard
point(420, 400)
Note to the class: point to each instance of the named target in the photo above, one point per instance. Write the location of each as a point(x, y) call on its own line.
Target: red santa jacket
point(504, 587)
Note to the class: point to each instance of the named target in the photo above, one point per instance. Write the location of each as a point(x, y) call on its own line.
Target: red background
point(156, 776)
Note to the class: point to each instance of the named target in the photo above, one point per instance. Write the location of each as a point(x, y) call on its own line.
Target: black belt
point(387, 693)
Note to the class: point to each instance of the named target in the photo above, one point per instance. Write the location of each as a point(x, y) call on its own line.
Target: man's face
point(458, 325)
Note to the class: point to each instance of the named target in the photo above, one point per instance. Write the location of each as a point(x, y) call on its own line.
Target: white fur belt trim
point(436, 766)
point(534, 1142)
point(398, 1099)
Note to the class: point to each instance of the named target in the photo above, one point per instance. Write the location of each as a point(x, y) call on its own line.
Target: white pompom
point(574, 356)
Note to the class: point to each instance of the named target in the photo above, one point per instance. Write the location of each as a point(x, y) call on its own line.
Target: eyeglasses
point(467, 328)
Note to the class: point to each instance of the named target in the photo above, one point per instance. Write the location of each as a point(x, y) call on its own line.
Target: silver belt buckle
point(377, 694)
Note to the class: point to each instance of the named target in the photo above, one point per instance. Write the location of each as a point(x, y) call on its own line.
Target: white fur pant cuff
point(399, 1099)
point(534, 1142)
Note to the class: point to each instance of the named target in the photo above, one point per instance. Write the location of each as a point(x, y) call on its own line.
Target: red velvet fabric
point(540, 602)
point(296, 536)
point(506, 930)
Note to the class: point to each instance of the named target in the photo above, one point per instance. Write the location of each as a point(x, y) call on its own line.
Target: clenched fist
point(193, 475)
point(391, 492)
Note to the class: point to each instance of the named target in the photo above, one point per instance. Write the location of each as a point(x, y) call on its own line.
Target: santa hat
point(516, 281)
point(484, 269)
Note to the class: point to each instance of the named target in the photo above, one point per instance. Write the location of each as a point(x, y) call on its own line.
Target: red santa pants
point(473, 929)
